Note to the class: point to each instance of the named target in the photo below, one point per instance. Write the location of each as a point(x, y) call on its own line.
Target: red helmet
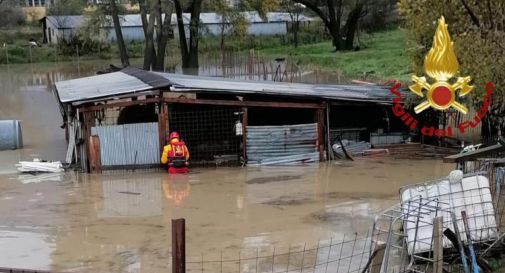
point(173, 135)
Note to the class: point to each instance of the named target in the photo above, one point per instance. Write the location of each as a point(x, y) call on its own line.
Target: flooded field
point(121, 222)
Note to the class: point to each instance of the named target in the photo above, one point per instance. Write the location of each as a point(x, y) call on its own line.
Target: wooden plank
point(306, 105)
point(473, 155)
point(86, 133)
point(247, 103)
point(95, 162)
point(320, 133)
point(162, 126)
point(438, 247)
point(117, 104)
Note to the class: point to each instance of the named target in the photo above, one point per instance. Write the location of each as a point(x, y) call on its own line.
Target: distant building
point(58, 27)
point(35, 3)
point(34, 9)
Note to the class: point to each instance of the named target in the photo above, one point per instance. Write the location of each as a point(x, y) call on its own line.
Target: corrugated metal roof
point(105, 85)
point(132, 80)
point(186, 83)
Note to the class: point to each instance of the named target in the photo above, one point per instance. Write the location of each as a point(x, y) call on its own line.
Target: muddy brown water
point(121, 222)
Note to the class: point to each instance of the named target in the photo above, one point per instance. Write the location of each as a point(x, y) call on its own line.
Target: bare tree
point(156, 19)
point(330, 12)
point(295, 11)
point(125, 61)
point(189, 52)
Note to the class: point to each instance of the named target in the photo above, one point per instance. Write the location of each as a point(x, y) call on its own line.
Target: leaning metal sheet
point(110, 84)
point(421, 203)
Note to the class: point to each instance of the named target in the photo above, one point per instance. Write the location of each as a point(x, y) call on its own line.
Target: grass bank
point(382, 57)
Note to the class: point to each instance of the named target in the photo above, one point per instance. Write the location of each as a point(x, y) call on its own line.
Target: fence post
point(6, 53)
point(438, 248)
point(178, 246)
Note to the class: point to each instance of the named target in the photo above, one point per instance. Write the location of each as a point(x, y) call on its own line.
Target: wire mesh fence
point(209, 132)
point(345, 255)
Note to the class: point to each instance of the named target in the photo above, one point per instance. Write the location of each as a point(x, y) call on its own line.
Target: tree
point(125, 61)
point(294, 10)
point(232, 22)
point(108, 11)
point(477, 29)
point(66, 7)
point(11, 14)
point(156, 17)
point(330, 12)
point(189, 53)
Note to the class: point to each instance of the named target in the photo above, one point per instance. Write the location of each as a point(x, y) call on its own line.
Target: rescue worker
point(175, 154)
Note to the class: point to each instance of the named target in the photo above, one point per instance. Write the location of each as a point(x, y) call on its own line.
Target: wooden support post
point(320, 132)
point(245, 123)
point(379, 251)
point(95, 161)
point(328, 137)
point(86, 133)
point(438, 246)
point(162, 126)
point(178, 246)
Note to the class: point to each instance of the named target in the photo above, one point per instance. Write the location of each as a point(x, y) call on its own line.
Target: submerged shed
point(223, 121)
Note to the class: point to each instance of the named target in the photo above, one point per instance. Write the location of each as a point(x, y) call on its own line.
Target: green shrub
point(82, 45)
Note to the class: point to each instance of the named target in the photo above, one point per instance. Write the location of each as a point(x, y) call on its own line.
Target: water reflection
point(176, 188)
point(21, 247)
point(127, 197)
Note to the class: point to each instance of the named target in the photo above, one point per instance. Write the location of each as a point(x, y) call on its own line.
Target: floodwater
point(121, 222)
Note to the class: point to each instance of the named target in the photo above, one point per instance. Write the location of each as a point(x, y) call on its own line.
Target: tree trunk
point(194, 27)
point(330, 19)
point(182, 34)
point(163, 41)
point(119, 35)
point(352, 24)
point(295, 31)
point(222, 36)
point(334, 25)
point(149, 51)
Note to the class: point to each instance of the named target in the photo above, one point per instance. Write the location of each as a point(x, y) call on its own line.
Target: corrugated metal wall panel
point(281, 144)
point(142, 138)
point(129, 144)
point(10, 135)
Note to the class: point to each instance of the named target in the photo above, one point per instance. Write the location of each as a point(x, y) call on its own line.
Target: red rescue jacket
point(177, 155)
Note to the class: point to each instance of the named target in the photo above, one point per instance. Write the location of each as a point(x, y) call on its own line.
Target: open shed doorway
point(208, 131)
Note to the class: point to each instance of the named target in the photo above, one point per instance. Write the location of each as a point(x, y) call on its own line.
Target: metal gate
point(128, 145)
point(282, 145)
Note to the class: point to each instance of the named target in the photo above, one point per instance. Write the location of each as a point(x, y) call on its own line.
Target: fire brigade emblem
point(441, 64)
